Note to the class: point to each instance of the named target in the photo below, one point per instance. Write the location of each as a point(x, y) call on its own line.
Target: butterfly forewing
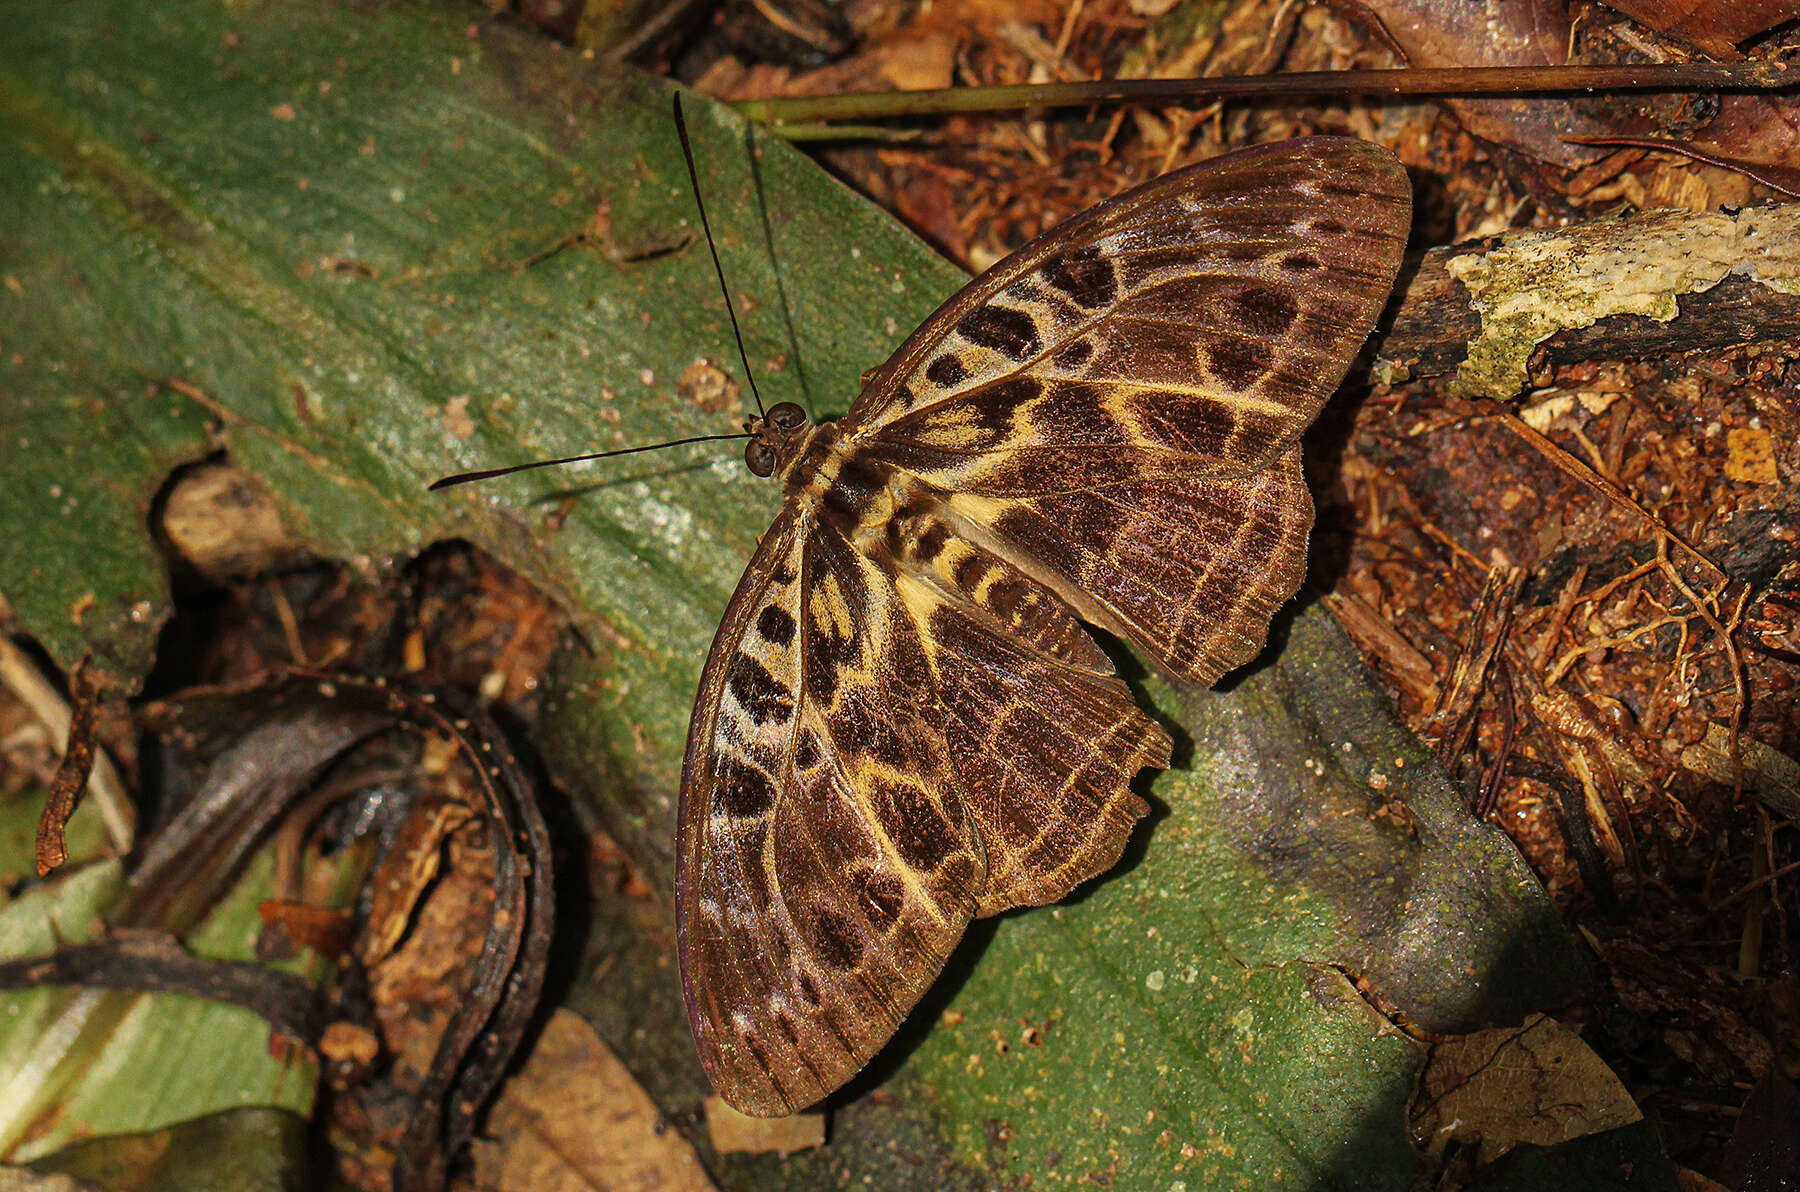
point(1215, 308)
point(818, 863)
point(901, 723)
point(1111, 408)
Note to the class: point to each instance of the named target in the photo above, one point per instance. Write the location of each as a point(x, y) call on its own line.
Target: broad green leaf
point(77, 1063)
point(357, 247)
point(235, 1150)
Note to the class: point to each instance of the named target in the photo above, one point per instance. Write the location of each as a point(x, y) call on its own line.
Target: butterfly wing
point(877, 756)
point(820, 881)
point(1044, 740)
point(1113, 410)
point(901, 723)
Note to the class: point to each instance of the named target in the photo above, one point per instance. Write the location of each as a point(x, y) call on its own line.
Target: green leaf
point(375, 249)
point(358, 247)
point(231, 1151)
point(77, 1063)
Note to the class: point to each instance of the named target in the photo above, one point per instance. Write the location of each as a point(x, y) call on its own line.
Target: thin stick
point(687, 155)
point(1456, 80)
point(22, 677)
point(490, 473)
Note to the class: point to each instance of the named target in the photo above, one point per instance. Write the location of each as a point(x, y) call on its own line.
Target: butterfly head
point(778, 437)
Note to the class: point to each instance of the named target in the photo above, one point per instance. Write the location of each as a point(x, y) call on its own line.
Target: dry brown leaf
point(1764, 1154)
point(1693, 1181)
point(1535, 1084)
point(732, 1131)
point(1767, 773)
point(225, 524)
point(1750, 455)
point(1716, 27)
point(1492, 33)
point(574, 1120)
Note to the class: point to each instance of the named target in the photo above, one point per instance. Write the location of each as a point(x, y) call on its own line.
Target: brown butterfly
point(902, 724)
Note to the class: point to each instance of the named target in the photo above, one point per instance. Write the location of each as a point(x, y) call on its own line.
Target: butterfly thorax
point(812, 463)
point(887, 515)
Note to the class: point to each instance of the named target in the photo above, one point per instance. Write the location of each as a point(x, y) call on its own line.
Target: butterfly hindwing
point(882, 749)
point(1044, 739)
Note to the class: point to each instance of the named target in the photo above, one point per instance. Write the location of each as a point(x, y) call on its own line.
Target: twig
point(1462, 81)
point(21, 676)
point(71, 777)
point(1734, 659)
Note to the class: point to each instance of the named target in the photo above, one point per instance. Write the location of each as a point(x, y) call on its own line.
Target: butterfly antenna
point(490, 473)
point(687, 155)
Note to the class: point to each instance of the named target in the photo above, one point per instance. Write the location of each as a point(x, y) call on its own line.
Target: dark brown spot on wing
point(775, 625)
point(1012, 333)
point(995, 408)
point(1085, 275)
point(886, 896)
point(969, 572)
point(823, 662)
point(916, 824)
point(1261, 310)
point(836, 938)
point(1075, 355)
point(1078, 412)
point(946, 370)
point(1237, 365)
point(764, 698)
point(742, 790)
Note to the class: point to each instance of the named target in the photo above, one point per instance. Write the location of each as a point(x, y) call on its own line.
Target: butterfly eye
point(759, 457)
point(786, 416)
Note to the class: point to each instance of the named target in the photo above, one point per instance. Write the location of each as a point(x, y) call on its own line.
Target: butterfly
point(902, 724)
